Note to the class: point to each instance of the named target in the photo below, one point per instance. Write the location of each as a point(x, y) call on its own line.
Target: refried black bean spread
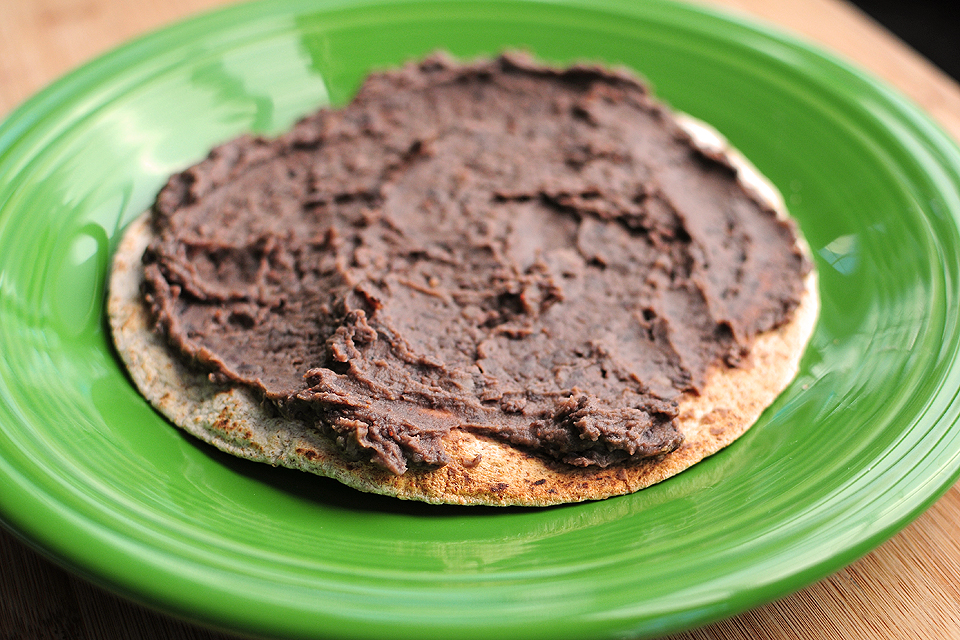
point(536, 255)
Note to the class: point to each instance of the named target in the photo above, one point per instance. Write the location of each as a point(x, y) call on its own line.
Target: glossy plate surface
point(862, 441)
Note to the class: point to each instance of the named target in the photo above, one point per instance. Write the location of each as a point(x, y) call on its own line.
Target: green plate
point(859, 445)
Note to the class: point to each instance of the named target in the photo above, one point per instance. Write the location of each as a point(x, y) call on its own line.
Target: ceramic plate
point(862, 441)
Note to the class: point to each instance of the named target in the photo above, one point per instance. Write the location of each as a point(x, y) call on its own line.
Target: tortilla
point(482, 470)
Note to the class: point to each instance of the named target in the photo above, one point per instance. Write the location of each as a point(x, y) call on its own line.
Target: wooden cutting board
point(908, 588)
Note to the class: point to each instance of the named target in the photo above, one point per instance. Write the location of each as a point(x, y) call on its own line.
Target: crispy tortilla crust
point(483, 471)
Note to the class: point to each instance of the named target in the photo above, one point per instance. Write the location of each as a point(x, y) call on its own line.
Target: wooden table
point(908, 588)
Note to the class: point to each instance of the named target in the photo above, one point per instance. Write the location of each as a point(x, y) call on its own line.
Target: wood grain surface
point(908, 588)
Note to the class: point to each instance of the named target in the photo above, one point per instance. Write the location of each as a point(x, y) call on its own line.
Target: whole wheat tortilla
point(483, 471)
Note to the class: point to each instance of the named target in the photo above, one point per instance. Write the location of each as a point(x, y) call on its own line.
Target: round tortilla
point(483, 471)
